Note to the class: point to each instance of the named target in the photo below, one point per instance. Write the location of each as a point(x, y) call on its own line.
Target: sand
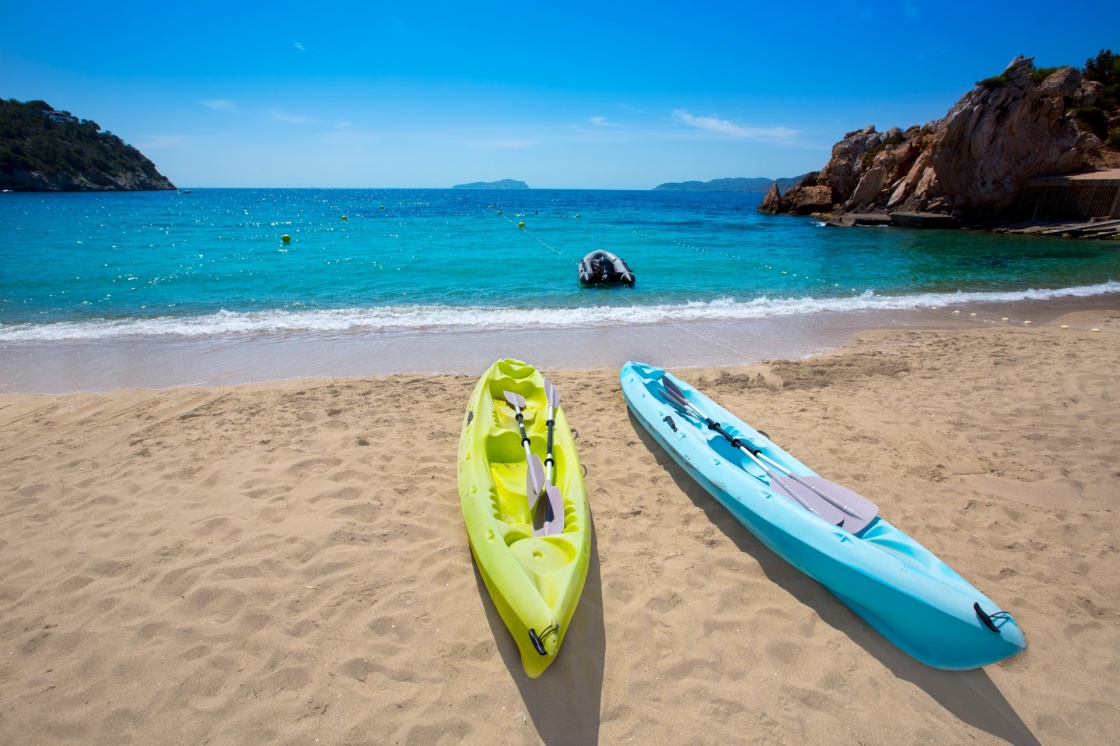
point(286, 562)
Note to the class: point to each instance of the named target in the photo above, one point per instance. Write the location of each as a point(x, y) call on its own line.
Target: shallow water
point(156, 289)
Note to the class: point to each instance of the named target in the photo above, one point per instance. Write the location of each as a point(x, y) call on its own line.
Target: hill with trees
point(46, 150)
point(736, 184)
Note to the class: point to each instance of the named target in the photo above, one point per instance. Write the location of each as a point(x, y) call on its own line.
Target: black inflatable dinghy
point(604, 268)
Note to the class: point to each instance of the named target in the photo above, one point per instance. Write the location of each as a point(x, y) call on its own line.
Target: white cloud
point(342, 124)
point(219, 104)
point(730, 129)
point(299, 47)
point(601, 122)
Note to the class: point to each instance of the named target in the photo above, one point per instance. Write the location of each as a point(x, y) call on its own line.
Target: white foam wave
point(417, 317)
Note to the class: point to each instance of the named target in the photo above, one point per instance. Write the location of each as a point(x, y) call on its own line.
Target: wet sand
point(57, 367)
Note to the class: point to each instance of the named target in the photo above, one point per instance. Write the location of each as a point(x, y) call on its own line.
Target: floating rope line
point(955, 314)
point(682, 326)
point(699, 250)
point(532, 235)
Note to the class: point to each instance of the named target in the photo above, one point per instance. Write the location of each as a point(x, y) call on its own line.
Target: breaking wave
point(420, 317)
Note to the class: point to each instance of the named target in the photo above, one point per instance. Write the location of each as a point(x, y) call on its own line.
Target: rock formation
point(974, 162)
point(85, 181)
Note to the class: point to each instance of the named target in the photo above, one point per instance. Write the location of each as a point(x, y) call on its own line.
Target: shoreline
point(286, 561)
point(165, 362)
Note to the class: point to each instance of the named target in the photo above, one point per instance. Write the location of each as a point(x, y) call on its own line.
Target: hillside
point(502, 184)
point(737, 184)
point(46, 150)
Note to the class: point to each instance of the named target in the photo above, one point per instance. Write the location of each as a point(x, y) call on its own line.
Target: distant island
point(43, 150)
point(739, 184)
point(503, 184)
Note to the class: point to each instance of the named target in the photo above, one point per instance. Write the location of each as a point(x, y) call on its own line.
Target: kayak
point(532, 551)
point(894, 583)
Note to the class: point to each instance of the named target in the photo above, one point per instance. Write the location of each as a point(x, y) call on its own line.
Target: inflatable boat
point(604, 268)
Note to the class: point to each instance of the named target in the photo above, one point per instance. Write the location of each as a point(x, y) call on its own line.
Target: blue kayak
point(898, 586)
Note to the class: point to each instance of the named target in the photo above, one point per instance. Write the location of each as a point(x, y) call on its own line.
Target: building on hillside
point(59, 116)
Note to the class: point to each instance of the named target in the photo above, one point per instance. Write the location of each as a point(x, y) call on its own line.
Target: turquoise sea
point(161, 289)
point(90, 266)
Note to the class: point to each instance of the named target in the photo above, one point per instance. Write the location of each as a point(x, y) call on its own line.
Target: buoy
point(499, 212)
point(382, 207)
point(286, 238)
point(1005, 319)
point(344, 217)
point(521, 224)
point(577, 214)
point(1094, 329)
point(972, 314)
point(956, 311)
point(1065, 326)
point(1026, 322)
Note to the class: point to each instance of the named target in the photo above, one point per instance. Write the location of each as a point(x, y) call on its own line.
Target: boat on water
point(894, 583)
point(525, 507)
point(601, 267)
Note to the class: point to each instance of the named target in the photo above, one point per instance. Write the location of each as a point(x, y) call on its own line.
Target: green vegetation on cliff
point(41, 149)
point(1104, 118)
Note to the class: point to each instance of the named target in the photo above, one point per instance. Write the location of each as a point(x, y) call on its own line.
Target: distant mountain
point(45, 150)
point(740, 184)
point(503, 184)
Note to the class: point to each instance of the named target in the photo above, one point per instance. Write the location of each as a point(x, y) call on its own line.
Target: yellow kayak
point(532, 550)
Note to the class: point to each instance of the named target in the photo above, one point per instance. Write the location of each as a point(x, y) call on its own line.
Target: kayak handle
point(538, 640)
point(989, 619)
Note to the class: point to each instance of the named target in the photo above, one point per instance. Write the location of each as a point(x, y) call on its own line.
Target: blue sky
point(561, 95)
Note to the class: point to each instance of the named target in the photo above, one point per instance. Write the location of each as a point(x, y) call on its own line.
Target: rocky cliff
point(972, 163)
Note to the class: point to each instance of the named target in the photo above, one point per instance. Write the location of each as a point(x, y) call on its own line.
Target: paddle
point(553, 513)
point(534, 471)
point(553, 397)
point(835, 497)
point(554, 507)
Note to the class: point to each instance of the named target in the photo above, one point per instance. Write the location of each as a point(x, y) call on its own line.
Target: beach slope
point(286, 562)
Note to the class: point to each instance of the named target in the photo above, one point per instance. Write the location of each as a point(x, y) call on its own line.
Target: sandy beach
point(286, 562)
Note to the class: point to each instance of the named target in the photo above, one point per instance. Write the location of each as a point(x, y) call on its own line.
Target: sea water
point(146, 268)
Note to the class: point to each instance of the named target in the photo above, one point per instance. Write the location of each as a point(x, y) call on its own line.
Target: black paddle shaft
point(521, 424)
point(549, 460)
point(713, 425)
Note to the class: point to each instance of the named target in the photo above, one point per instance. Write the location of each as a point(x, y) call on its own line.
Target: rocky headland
point(43, 150)
point(973, 164)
